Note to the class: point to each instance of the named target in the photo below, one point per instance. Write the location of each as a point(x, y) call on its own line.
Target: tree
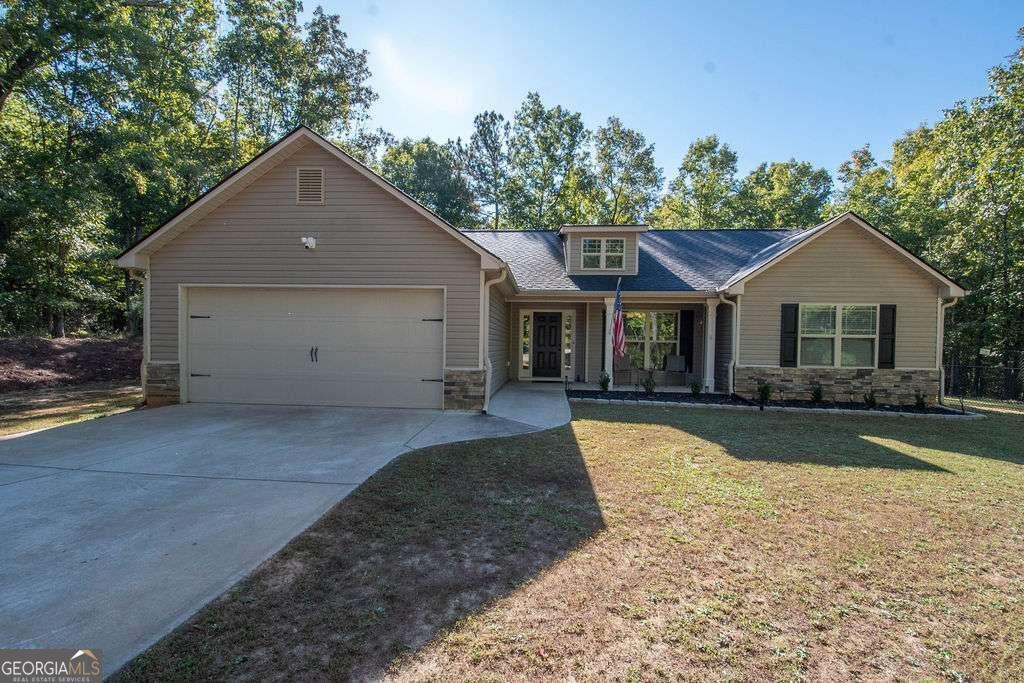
point(702, 195)
point(487, 164)
point(785, 194)
point(547, 156)
point(427, 172)
point(625, 173)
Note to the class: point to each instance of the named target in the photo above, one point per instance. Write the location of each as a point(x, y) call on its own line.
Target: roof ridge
point(555, 232)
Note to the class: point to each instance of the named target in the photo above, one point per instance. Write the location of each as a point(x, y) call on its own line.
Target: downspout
point(143, 277)
point(735, 339)
point(485, 333)
point(940, 336)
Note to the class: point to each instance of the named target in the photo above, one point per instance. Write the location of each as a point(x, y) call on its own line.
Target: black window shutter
point(787, 340)
point(686, 337)
point(887, 336)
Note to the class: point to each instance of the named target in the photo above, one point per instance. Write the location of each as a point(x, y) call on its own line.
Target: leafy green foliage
point(428, 172)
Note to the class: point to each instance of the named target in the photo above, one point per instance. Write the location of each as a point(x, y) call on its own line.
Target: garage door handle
point(310, 354)
point(316, 354)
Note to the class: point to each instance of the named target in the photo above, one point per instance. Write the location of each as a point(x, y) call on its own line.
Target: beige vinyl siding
point(723, 346)
point(364, 237)
point(846, 265)
point(574, 244)
point(595, 340)
point(498, 338)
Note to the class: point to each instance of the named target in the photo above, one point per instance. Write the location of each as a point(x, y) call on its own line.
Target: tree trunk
point(57, 325)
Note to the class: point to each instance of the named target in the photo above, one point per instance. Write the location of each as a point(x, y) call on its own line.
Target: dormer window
point(603, 253)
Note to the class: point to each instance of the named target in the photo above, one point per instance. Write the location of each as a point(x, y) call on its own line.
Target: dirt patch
point(34, 363)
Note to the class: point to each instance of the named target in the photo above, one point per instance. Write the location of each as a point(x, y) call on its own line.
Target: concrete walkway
point(118, 529)
point(541, 405)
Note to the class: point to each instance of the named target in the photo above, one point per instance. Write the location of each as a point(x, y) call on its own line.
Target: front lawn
point(646, 542)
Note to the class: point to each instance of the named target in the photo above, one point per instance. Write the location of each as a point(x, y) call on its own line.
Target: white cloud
point(420, 84)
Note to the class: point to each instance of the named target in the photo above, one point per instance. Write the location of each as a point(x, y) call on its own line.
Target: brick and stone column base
point(161, 386)
point(893, 387)
point(464, 389)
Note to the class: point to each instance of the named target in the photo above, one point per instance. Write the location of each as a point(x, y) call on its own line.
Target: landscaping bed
point(736, 400)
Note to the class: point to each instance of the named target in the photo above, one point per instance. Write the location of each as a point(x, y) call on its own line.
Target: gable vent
point(309, 186)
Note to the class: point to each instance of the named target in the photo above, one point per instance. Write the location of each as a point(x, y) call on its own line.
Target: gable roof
point(134, 255)
point(670, 260)
point(775, 253)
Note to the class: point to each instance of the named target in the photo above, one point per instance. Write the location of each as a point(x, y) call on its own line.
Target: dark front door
point(547, 351)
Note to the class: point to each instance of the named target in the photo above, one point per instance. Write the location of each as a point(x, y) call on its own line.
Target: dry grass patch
point(43, 408)
point(650, 542)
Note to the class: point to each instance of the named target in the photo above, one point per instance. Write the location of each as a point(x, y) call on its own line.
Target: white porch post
point(609, 309)
point(711, 311)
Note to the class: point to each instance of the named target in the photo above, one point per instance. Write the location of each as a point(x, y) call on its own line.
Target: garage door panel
point(374, 347)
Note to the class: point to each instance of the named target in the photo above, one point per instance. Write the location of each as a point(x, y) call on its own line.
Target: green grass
point(651, 542)
point(41, 409)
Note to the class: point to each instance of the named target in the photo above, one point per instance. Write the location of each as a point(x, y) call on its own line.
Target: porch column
point(711, 311)
point(609, 354)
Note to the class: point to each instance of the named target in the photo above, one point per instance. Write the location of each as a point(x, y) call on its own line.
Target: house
point(305, 278)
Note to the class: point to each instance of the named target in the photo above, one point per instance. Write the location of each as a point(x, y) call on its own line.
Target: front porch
point(658, 389)
point(681, 341)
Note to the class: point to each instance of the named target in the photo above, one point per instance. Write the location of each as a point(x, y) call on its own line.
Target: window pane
point(858, 353)
point(859, 320)
point(666, 327)
point(567, 342)
point(660, 351)
point(635, 354)
point(636, 324)
point(613, 261)
point(817, 319)
point(614, 246)
point(591, 246)
point(817, 350)
point(525, 341)
point(591, 260)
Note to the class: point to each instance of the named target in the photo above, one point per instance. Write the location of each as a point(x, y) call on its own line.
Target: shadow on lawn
point(430, 539)
point(845, 441)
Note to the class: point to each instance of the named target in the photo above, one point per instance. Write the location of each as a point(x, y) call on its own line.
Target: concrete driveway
point(118, 529)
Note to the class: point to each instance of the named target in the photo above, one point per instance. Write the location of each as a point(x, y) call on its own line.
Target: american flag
point(618, 324)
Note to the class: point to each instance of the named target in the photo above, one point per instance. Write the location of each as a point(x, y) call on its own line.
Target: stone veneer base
point(464, 389)
point(162, 384)
point(893, 387)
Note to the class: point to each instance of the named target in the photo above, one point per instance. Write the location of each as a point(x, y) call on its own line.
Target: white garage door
point(347, 347)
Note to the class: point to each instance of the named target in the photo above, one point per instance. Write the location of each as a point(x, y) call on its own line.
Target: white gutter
point(485, 333)
point(735, 338)
point(940, 336)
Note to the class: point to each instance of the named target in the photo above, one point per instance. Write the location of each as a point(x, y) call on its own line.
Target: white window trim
point(603, 253)
point(837, 342)
point(650, 333)
point(526, 375)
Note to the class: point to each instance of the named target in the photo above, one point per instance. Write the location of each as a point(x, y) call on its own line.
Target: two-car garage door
point(349, 347)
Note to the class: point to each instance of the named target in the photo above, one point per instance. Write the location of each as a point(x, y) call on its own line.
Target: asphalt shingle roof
point(670, 260)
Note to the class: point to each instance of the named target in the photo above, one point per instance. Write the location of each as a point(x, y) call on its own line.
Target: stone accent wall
point(894, 387)
point(161, 386)
point(464, 389)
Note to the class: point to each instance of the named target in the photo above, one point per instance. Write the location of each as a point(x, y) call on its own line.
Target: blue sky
point(811, 81)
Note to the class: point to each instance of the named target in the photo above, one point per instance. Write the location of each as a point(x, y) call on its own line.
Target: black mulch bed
point(735, 400)
point(664, 397)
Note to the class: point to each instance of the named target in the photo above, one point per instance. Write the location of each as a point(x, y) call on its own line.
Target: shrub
point(817, 394)
point(649, 382)
point(764, 392)
point(696, 386)
point(603, 380)
point(870, 400)
point(920, 400)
